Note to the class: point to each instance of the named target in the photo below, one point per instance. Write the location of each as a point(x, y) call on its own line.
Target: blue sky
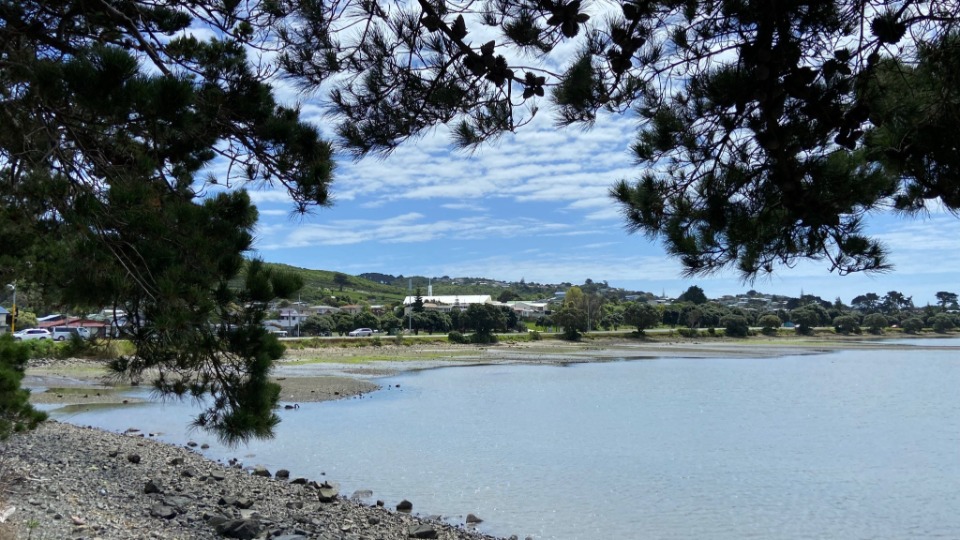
point(534, 205)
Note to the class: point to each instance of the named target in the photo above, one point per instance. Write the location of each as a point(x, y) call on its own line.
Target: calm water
point(854, 444)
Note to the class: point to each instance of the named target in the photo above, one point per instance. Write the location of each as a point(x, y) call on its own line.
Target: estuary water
point(851, 444)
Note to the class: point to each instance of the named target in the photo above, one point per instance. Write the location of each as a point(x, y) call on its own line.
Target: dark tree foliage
point(735, 326)
point(767, 132)
point(341, 280)
point(16, 414)
point(641, 315)
point(694, 295)
point(112, 118)
point(484, 320)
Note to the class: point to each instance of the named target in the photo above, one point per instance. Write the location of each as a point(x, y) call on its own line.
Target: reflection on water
point(853, 444)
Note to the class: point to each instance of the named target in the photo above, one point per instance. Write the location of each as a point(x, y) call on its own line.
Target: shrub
point(735, 325)
point(16, 413)
point(687, 332)
point(846, 324)
point(534, 336)
point(376, 341)
point(912, 325)
point(941, 323)
point(875, 323)
point(456, 337)
point(481, 338)
point(769, 324)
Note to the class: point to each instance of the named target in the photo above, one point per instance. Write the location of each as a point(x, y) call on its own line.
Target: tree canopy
point(114, 115)
point(767, 132)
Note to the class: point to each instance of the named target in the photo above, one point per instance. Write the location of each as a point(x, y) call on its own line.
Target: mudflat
point(337, 369)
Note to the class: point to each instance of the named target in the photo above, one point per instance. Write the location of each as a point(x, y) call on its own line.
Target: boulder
point(163, 511)
point(471, 518)
point(243, 529)
point(361, 494)
point(422, 531)
point(404, 506)
point(260, 470)
point(151, 486)
point(133, 458)
point(282, 474)
point(327, 493)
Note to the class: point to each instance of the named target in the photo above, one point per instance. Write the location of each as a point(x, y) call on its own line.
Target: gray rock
point(327, 493)
point(219, 476)
point(163, 511)
point(152, 486)
point(175, 461)
point(422, 531)
point(216, 520)
point(179, 502)
point(189, 472)
point(290, 537)
point(243, 529)
point(249, 514)
point(361, 494)
point(260, 470)
point(404, 506)
point(471, 518)
point(299, 481)
point(282, 474)
point(133, 458)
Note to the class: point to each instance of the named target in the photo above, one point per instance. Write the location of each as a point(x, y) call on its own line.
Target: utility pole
point(13, 319)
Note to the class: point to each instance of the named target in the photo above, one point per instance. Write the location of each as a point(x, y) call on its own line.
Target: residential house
point(291, 318)
point(527, 310)
point(352, 309)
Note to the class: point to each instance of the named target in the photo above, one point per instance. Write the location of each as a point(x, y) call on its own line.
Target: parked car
point(61, 333)
point(31, 333)
point(359, 332)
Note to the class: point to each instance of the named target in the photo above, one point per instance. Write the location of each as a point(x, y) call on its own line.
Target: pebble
point(94, 482)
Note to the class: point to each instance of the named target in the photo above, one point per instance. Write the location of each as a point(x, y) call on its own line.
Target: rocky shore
point(69, 482)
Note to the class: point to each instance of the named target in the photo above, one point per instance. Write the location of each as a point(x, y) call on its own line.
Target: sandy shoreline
point(337, 372)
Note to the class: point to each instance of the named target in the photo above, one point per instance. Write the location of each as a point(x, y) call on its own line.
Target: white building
point(446, 303)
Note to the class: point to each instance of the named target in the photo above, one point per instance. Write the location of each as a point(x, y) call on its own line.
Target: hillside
point(377, 288)
point(320, 285)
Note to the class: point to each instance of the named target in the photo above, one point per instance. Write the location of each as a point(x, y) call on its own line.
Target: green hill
point(320, 285)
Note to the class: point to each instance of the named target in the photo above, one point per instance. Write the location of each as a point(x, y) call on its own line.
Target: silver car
point(359, 332)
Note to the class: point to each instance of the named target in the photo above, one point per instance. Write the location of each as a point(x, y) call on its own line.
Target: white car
point(32, 333)
point(361, 332)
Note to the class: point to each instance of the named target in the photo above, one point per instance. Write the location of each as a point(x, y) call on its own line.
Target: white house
point(291, 318)
point(447, 303)
point(528, 309)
